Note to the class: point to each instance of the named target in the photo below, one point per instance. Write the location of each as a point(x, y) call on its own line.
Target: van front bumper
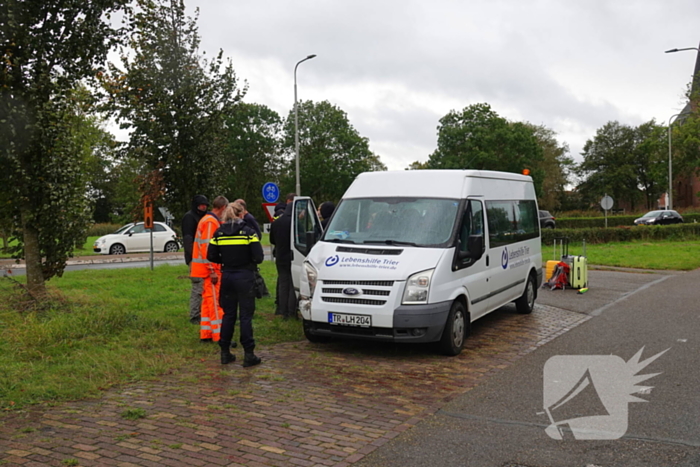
point(412, 323)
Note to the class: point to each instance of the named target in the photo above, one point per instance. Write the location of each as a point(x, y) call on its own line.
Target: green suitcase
point(578, 276)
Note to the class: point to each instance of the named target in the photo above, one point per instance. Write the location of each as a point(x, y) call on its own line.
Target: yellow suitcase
point(549, 270)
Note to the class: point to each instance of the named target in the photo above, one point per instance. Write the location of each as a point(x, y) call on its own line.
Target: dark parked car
point(547, 220)
point(661, 217)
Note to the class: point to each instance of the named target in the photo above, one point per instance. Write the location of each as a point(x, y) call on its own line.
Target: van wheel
point(313, 338)
point(526, 303)
point(456, 330)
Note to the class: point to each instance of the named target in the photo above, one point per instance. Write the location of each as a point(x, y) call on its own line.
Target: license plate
point(344, 319)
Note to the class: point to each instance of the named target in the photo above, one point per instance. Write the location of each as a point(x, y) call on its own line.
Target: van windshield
point(393, 221)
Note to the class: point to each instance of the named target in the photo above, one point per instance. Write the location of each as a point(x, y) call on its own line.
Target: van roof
point(425, 183)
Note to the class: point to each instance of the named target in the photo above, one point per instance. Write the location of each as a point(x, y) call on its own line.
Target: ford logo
point(351, 291)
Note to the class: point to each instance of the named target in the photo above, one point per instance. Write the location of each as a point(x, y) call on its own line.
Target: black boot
point(226, 356)
point(234, 345)
point(250, 359)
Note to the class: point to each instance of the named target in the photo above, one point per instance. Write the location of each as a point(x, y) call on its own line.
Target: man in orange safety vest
point(212, 313)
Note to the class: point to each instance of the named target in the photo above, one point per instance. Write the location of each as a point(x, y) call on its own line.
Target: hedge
point(613, 221)
point(625, 233)
point(98, 230)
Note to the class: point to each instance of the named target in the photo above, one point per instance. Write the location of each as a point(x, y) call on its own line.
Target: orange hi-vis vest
point(200, 266)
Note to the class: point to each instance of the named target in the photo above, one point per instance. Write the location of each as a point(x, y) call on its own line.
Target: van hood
point(371, 262)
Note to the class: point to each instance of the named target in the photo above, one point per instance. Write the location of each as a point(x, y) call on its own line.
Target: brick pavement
point(307, 405)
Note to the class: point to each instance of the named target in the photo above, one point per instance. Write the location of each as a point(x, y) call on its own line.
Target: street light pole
point(296, 123)
point(670, 125)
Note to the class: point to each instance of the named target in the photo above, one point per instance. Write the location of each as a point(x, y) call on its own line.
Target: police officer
point(237, 248)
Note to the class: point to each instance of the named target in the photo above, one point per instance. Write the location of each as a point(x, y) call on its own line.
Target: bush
point(98, 230)
point(625, 233)
point(613, 221)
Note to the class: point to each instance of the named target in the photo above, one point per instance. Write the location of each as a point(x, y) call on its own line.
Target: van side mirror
point(475, 248)
point(311, 239)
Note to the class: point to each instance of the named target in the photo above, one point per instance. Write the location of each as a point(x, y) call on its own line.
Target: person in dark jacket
point(325, 211)
point(280, 237)
point(189, 230)
point(237, 248)
point(250, 219)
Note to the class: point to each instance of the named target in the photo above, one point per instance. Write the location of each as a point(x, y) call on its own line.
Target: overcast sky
point(397, 66)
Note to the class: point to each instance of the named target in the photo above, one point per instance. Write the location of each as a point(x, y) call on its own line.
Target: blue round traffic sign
point(270, 192)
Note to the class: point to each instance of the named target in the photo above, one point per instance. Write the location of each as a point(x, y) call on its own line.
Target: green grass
point(679, 256)
point(107, 327)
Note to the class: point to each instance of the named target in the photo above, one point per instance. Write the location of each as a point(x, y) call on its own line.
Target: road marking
point(628, 294)
point(499, 421)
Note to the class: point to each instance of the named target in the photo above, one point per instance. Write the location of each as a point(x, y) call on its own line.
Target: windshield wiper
point(338, 240)
point(391, 242)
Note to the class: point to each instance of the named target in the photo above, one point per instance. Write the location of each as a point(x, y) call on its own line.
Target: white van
point(416, 256)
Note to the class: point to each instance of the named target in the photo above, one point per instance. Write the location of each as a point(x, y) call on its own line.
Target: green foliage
point(98, 230)
point(47, 49)
point(478, 138)
point(624, 233)
point(331, 152)
point(628, 163)
point(133, 414)
point(613, 221)
point(174, 102)
point(253, 154)
point(554, 168)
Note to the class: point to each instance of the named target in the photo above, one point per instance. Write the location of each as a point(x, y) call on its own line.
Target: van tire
point(313, 338)
point(526, 303)
point(456, 330)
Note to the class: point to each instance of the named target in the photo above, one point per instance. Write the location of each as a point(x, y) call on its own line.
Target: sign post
point(606, 203)
point(148, 222)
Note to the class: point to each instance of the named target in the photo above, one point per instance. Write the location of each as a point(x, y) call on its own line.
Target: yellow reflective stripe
point(236, 240)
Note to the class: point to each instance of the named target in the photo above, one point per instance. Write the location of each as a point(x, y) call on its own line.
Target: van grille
point(353, 301)
point(381, 293)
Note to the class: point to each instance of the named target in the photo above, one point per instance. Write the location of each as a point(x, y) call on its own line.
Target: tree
point(553, 168)
point(625, 162)
point(253, 152)
point(331, 151)
point(47, 49)
point(478, 138)
point(173, 101)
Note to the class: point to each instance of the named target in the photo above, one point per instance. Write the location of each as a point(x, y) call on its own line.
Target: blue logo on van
point(351, 291)
point(504, 258)
point(332, 260)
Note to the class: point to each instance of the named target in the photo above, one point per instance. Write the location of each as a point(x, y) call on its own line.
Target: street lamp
point(670, 124)
point(296, 122)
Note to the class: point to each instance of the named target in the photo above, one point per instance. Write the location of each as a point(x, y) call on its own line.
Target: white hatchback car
point(133, 238)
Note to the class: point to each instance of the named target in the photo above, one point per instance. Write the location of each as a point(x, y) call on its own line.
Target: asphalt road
point(502, 422)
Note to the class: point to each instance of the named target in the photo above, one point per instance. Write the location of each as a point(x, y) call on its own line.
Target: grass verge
point(678, 256)
point(107, 327)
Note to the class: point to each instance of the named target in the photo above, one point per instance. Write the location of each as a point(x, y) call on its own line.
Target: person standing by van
point(237, 248)
point(280, 237)
point(189, 230)
point(210, 325)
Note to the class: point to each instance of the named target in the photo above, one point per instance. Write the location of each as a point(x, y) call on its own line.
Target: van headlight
point(417, 287)
point(311, 276)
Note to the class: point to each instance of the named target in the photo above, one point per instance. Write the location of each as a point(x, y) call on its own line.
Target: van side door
point(304, 220)
point(470, 263)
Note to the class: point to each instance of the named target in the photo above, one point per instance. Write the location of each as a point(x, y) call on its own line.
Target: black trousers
point(237, 293)
point(287, 298)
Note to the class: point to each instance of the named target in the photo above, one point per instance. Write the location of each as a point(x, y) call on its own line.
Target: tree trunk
point(32, 258)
